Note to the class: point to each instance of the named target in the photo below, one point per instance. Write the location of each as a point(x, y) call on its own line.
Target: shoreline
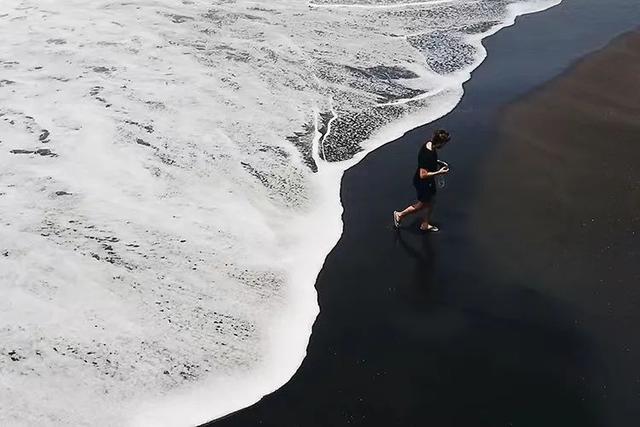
point(411, 136)
point(330, 176)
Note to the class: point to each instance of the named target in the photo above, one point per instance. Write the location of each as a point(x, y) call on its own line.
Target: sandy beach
point(523, 311)
point(560, 198)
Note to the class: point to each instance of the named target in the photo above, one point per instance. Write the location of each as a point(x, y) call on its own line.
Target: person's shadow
point(419, 246)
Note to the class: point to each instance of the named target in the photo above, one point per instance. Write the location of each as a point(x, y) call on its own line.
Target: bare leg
point(411, 209)
point(426, 223)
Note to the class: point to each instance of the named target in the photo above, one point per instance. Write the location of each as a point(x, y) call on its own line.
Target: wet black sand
point(523, 311)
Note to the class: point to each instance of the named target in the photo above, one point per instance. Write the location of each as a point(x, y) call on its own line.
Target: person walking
point(424, 181)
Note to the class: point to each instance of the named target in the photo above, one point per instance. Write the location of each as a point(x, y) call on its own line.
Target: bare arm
point(424, 174)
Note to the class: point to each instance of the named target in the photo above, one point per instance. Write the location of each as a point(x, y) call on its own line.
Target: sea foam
point(169, 186)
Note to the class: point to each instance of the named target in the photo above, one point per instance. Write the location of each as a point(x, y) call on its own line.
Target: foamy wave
point(170, 186)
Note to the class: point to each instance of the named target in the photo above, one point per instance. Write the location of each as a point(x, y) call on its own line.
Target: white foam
point(175, 283)
point(400, 4)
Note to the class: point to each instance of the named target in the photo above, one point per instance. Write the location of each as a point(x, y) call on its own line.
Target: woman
point(424, 181)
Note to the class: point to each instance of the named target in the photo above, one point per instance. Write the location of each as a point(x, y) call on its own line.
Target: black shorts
point(425, 195)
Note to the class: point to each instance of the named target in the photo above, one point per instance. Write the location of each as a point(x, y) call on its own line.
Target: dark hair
point(440, 137)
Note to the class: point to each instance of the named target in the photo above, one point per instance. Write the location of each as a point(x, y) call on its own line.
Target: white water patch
point(169, 186)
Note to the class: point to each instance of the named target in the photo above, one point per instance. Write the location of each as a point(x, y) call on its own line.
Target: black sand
point(524, 310)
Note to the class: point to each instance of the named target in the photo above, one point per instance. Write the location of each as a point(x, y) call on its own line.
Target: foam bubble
point(170, 186)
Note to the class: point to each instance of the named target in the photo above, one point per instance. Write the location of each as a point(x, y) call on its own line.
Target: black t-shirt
point(427, 159)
